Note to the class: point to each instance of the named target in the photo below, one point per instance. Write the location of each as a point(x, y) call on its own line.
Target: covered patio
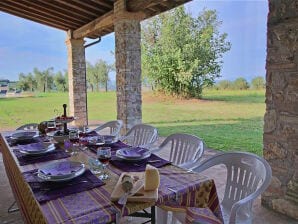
point(96, 18)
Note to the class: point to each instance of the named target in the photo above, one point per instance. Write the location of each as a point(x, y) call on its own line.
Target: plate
point(36, 148)
point(133, 154)
point(61, 171)
point(24, 135)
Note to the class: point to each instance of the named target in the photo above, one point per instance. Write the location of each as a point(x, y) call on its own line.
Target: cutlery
point(123, 199)
point(137, 186)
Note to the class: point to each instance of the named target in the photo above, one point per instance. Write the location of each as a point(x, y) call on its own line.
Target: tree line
point(241, 84)
point(97, 76)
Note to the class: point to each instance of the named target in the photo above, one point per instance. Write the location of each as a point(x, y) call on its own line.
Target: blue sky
point(25, 44)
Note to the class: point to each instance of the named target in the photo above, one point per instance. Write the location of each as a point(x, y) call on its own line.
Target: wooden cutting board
point(141, 196)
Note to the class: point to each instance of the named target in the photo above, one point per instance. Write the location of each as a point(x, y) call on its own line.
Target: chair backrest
point(31, 126)
point(113, 126)
point(248, 175)
point(185, 149)
point(141, 135)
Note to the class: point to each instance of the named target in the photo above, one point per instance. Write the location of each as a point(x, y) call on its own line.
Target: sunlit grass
point(226, 120)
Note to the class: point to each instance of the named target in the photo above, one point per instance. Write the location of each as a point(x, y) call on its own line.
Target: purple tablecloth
point(46, 191)
point(28, 159)
point(138, 166)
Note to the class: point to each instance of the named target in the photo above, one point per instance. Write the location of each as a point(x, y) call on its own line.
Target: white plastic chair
point(31, 126)
point(142, 135)
point(248, 175)
point(113, 126)
point(185, 151)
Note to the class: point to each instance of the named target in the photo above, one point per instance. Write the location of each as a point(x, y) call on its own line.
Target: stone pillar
point(77, 80)
point(128, 66)
point(281, 118)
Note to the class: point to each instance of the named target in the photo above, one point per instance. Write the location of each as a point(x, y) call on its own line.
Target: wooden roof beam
point(135, 6)
point(96, 25)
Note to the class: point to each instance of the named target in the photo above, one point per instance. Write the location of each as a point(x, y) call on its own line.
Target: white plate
point(48, 147)
point(61, 170)
point(24, 135)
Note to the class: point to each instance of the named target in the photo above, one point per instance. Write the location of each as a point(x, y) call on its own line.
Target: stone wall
point(281, 118)
point(128, 66)
point(77, 80)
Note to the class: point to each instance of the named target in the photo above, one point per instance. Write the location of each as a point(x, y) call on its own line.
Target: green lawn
point(226, 120)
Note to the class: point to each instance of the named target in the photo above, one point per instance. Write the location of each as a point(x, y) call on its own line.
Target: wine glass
point(51, 126)
point(74, 139)
point(104, 156)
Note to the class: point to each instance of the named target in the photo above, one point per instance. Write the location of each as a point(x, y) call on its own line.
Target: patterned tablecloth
point(94, 206)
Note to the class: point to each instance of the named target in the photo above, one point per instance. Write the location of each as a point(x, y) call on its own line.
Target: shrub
point(224, 84)
point(240, 84)
point(258, 83)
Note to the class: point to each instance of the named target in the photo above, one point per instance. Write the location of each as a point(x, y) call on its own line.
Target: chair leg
point(175, 220)
point(11, 208)
point(161, 216)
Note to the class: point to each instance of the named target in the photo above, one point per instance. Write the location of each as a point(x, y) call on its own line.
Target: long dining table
point(95, 205)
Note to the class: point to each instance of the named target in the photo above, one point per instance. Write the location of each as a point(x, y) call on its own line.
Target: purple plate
point(36, 148)
point(61, 169)
point(133, 153)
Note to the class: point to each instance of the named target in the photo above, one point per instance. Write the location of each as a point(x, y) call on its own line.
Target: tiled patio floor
point(261, 215)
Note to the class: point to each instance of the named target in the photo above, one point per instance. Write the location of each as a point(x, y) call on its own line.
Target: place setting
point(60, 178)
point(23, 137)
point(38, 152)
point(135, 159)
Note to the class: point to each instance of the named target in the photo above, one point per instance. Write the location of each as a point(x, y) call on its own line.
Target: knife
point(137, 186)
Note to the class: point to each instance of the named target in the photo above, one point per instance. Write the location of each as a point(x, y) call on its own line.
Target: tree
point(89, 75)
point(258, 82)
point(98, 74)
point(103, 69)
point(44, 79)
point(60, 81)
point(240, 83)
point(22, 83)
point(181, 54)
point(224, 84)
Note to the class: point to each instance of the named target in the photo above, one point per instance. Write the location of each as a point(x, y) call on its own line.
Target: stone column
point(281, 118)
point(77, 80)
point(128, 66)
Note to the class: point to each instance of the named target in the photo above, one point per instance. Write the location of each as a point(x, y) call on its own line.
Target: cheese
point(152, 178)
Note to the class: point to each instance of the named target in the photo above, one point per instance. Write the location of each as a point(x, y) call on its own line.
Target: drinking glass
point(74, 139)
point(51, 126)
point(104, 156)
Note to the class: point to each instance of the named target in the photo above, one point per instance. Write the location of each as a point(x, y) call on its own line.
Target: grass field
point(225, 120)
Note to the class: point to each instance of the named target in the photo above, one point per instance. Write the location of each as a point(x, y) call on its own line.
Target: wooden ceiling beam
point(26, 6)
point(24, 12)
point(138, 5)
point(80, 8)
point(59, 7)
point(104, 3)
point(90, 4)
point(101, 22)
point(49, 10)
point(32, 18)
